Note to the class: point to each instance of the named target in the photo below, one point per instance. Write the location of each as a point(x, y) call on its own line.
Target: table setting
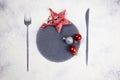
point(59, 40)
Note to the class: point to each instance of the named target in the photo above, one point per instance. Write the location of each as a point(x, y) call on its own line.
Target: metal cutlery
point(27, 22)
point(87, 34)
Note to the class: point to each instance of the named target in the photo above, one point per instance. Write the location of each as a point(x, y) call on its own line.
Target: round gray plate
point(52, 46)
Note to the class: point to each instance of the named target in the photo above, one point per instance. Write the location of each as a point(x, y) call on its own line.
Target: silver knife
point(87, 34)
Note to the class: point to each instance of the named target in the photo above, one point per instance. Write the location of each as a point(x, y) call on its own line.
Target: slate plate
point(52, 46)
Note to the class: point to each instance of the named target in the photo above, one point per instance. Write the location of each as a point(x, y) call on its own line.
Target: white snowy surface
point(104, 45)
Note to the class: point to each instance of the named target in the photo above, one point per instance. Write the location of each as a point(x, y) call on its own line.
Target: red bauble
point(77, 37)
point(73, 50)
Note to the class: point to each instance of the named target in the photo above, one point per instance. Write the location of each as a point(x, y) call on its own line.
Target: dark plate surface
point(52, 46)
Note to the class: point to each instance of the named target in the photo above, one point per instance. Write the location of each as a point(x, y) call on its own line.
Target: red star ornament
point(57, 20)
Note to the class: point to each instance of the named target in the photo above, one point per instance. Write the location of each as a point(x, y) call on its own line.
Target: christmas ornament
point(73, 50)
point(57, 20)
point(68, 40)
point(77, 37)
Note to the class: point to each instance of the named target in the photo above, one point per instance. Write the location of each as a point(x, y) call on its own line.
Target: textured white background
point(104, 48)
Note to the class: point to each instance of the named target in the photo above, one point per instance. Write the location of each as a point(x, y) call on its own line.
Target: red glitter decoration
point(57, 20)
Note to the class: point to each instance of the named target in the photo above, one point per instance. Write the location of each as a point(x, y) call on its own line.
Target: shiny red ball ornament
point(73, 50)
point(77, 37)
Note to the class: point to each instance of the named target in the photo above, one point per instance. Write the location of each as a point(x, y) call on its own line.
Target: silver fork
point(87, 34)
point(27, 22)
